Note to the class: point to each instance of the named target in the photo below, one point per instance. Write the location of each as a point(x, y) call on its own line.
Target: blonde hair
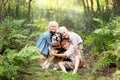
point(53, 23)
point(62, 29)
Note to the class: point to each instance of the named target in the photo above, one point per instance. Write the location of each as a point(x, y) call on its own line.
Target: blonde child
point(44, 40)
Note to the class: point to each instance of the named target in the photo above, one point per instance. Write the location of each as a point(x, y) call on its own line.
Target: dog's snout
point(57, 38)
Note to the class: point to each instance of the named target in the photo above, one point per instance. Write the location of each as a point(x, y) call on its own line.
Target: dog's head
point(57, 38)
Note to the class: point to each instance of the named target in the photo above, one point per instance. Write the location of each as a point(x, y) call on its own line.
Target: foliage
point(13, 61)
point(41, 25)
point(103, 60)
point(16, 9)
point(13, 35)
point(69, 17)
point(116, 75)
point(106, 44)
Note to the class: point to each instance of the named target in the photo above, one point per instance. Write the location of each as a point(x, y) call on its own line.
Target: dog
point(56, 38)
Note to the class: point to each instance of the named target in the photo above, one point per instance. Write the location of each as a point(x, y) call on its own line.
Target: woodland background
point(96, 21)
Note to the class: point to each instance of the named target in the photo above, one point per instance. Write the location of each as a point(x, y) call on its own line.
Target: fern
point(117, 52)
point(10, 70)
point(105, 43)
point(103, 61)
point(13, 34)
point(14, 61)
point(1, 70)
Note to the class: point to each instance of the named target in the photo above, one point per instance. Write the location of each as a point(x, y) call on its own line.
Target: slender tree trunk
point(92, 5)
point(29, 8)
point(2, 7)
point(98, 5)
point(87, 4)
point(84, 5)
point(107, 4)
point(17, 8)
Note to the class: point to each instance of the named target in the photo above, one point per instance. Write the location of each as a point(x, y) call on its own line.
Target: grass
point(37, 73)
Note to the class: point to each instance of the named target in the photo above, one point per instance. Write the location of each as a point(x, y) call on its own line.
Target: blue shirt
point(43, 42)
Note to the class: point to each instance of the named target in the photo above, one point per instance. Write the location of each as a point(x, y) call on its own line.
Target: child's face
point(65, 34)
point(66, 45)
point(53, 28)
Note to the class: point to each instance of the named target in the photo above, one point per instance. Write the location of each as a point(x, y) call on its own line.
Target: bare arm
point(60, 55)
point(76, 64)
point(77, 60)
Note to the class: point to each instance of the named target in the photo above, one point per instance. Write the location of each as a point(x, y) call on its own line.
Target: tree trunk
point(116, 6)
point(116, 3)
point(87, 4)
point(2, 7)
point(107, 4)
point(17, 8)
point(29, 8)
point(92, 5)
point(84, 5)
point(98, 5)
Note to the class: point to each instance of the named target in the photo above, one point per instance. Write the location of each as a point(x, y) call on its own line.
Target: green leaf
point(1, 70)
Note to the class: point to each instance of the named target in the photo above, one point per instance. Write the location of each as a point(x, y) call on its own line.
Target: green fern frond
point(1, 59)
point(103, 61)
point(1, 70)
point(116, 52)
point(10, 70)
point(100, 21)
point(102, 31)
point(19, 36)
point(29, 51)
point(18, 22)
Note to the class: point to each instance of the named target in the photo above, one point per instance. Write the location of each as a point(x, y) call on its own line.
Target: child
point(75, 58)
point(45, 40)
point(74, 38)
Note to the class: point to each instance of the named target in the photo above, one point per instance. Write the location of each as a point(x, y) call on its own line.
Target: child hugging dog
point(56, 38)
point(72, 52)
point(75, 58)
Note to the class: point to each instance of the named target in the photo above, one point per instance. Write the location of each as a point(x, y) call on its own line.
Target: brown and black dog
point(56, 38)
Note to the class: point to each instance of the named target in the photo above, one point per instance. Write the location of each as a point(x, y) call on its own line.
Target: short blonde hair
point(53, 23)
point(62, 29)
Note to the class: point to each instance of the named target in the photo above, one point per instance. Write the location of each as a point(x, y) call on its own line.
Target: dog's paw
point(44, 67)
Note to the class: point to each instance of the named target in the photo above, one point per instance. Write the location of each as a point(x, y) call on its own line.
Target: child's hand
point(53, 53)
point(74, 72)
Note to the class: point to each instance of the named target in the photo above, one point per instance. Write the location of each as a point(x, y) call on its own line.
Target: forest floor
point(35, 72)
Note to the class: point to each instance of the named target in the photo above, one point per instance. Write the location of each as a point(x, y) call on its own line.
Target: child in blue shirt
point(45, 39)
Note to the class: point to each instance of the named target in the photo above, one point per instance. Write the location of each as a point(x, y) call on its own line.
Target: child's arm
point(77, 60)
point(76, 64)
point(60, 55)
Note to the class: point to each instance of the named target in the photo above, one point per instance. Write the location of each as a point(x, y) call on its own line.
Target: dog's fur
point(56, 38)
